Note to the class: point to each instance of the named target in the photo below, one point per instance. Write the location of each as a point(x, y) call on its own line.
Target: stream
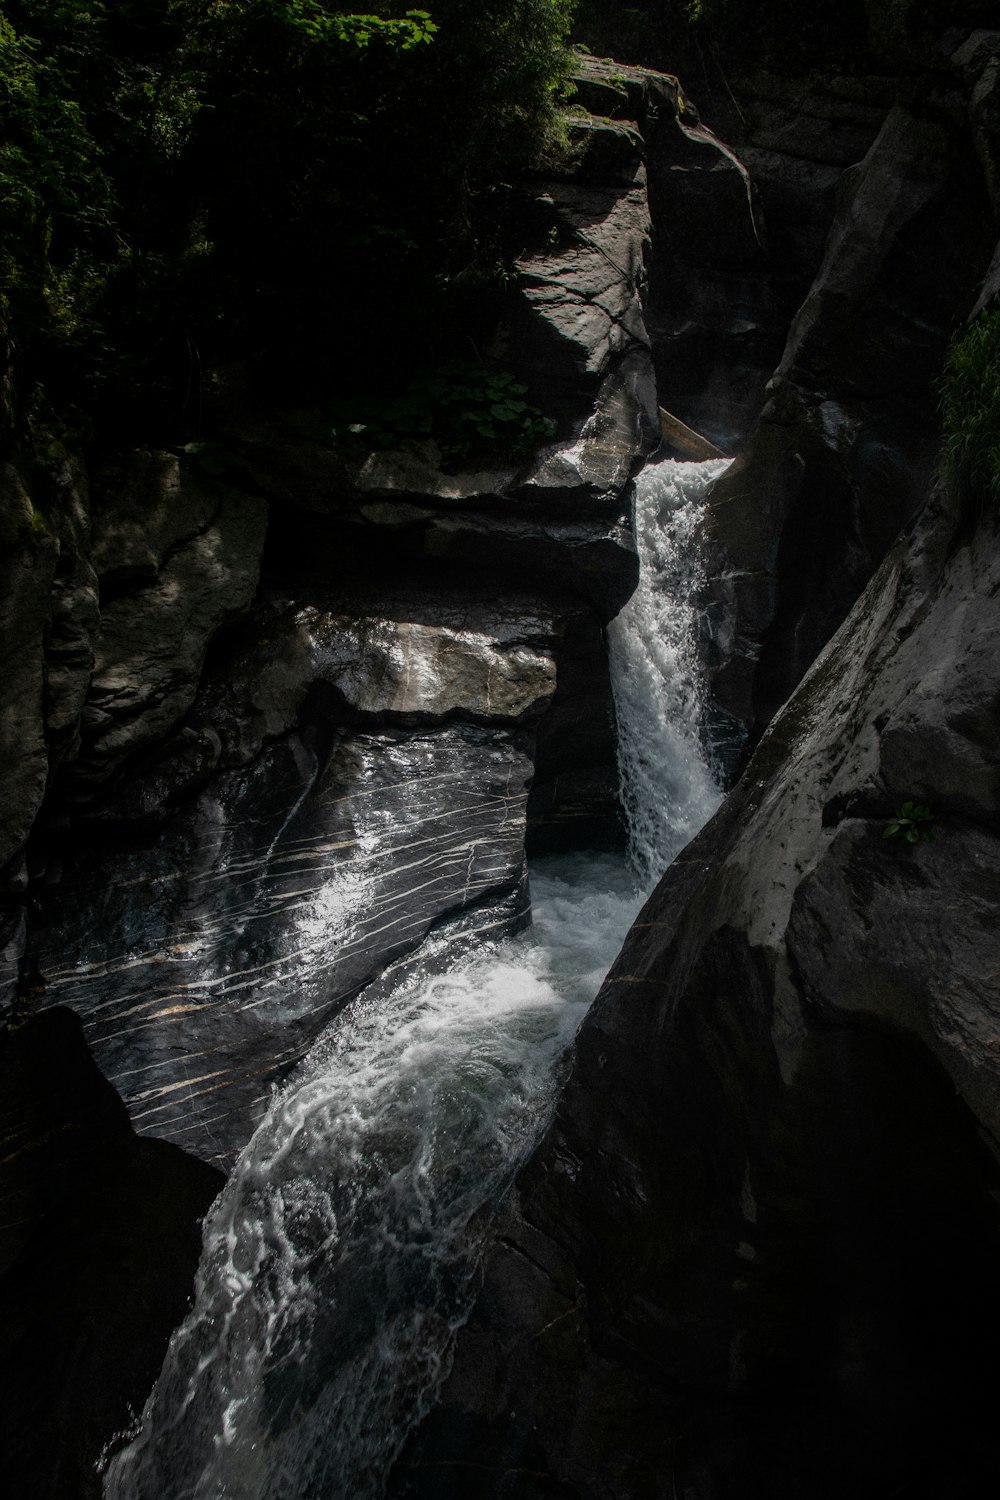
point(341, 1256)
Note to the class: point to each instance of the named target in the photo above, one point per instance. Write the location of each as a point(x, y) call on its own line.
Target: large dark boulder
point(98, 1248)
point(753, 1256)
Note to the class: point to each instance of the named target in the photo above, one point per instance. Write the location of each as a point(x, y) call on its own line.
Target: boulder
point(98, 1251)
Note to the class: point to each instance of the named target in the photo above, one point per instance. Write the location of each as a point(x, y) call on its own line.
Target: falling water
point(669, 788)
point(339, 1259)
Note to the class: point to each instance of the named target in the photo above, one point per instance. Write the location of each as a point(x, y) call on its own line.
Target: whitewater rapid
point(340, 1257)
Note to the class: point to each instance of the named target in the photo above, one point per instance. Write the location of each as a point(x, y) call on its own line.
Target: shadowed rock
point(99, 1242)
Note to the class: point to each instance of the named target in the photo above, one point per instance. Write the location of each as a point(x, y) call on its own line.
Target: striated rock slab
point(203, 966)
point(270, 861)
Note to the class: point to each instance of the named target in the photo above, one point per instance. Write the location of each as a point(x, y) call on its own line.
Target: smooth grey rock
point(408, 669)
point(587, 296)
point(922, 946)
point(601, 458)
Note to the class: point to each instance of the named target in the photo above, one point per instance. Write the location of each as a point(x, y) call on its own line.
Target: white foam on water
point(339, 1259)
point(669, 787)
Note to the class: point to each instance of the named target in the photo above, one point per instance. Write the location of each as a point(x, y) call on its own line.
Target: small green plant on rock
point(912, 823)
point(970, 410)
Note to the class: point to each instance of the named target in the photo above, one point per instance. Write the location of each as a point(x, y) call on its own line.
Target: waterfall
point(339, 1258)
point(669, 788)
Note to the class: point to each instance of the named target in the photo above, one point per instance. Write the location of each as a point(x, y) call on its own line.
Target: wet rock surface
point(205, 956)
point(304, 733)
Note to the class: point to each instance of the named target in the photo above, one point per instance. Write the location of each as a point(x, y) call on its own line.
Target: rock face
point(272, 716)
point(753, 1255)
point(177, 560)
point(49, 619)
point(841, 456)
point(721, 301)
point(204, 960)
point(293, 693)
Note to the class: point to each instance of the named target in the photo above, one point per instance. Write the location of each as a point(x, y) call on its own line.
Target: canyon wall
point(753, 1255)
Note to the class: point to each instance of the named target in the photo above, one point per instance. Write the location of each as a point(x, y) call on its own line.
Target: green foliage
point(911, 823)
point(467, 410)
point(319, 24)
point(57, 201)
point(184, 182)
point(970, 410)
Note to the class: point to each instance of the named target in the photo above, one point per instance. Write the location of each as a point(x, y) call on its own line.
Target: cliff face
point(847, 437)
point(753, 1254)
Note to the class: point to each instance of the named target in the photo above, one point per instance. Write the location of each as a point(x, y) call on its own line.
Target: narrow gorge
point(342, 776)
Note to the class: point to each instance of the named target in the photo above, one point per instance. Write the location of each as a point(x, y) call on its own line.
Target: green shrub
point(185, 183)
point(970, 410)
